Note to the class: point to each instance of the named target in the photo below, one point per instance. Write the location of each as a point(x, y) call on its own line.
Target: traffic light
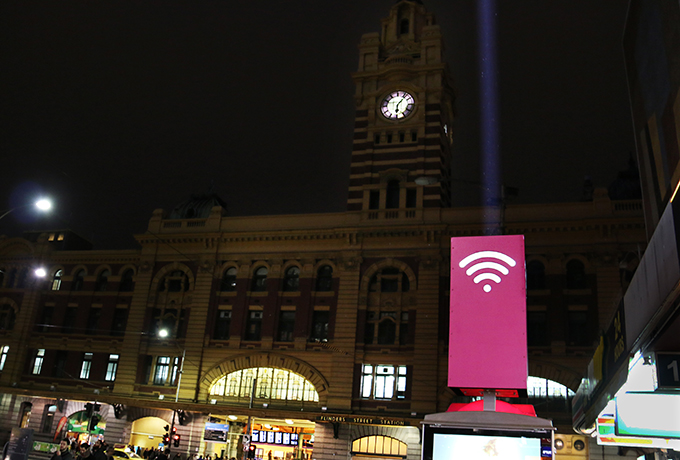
point(166, 436)
point(93, 423)
point(175, 439)
point(251, 451)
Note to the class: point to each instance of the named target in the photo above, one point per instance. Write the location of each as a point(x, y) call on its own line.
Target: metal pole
point(179, 379)
point(249, 427)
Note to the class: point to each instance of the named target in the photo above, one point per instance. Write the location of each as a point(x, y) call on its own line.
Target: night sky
point(116, 108)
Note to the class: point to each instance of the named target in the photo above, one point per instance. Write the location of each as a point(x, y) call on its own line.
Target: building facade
point(322, 334)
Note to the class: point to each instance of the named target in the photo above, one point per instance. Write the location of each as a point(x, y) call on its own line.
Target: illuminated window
point(383, 381)
point(272, 384)
point(3, 356)
point(162, 370)
point(543, 388)
point(38, 361)
point(86, 366)
point(56, 280)
point(112, 368)
point(379, 446)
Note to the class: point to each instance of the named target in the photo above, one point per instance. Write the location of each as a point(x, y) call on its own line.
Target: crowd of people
point(72, 451)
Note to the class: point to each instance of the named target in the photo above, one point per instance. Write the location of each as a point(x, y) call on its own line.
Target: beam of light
point(488, 89)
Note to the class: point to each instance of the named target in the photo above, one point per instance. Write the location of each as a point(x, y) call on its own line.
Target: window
point(411, 198)
point(286, 326)
point(383, 381)
point(390, 279)
point(176, 362)
point(38, 361)
point(320, 326)
point(535, 275)
point(578, 327)
point(414, 136)
point(254, 325)
point(45, 319)
point(272, 384)
point(176, 281)
point(543, 388)
point(60, 363)
point(7, 317)
point(93, 320)
point(86, 366)
point(70, 317)
point(48, 418)
point(576, 275)
point(119, 322)
point(3, 356)
point(291, 281)
point(324, 278)
point(102, 283)
point(403, 27)
point(170, 319)
point(25, 411)
point(222, 325)
point(389, 138)
point(402, 136)
point(2, 276)
point(127, 282)
point(78, 280)
point(379, 446)
point(229, 280)
point(392, 197)
point(376, 139)
point(161, 372)
point(374, 199)
point(537, 328)
point(112, 368)
point(260, 280)
point(56, 280)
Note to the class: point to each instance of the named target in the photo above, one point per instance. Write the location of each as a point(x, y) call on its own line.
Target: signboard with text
point(487, 334)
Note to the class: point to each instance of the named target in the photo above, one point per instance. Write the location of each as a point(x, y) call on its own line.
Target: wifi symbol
point(487, 265)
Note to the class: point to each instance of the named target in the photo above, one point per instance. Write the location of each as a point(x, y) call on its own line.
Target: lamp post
point(42, 204)
point(163, 333)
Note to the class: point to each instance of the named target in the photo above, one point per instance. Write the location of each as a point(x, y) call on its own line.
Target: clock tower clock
point(401, 156)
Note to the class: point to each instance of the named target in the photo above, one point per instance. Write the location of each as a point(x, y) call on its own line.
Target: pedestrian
point(63, 452)
point(85, 452)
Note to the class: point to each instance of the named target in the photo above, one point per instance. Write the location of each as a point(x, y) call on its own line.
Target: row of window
point(71, 323)
point(392, 137)
point(575, 275)
point(61, 360)
point(291, 279)
point(285, 327)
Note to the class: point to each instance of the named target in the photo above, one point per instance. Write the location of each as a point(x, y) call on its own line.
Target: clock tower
point(401, 155)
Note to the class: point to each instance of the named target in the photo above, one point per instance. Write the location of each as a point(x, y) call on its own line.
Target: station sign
point(668, 370)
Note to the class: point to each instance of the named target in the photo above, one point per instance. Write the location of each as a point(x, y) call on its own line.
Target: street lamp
point(43, 204)
point(163, 333)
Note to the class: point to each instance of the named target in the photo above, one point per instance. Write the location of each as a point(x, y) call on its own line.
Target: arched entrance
point(147, 432)
point(377, 447)
point(83, 427)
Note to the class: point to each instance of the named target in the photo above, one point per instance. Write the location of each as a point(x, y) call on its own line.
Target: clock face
point(397, 105)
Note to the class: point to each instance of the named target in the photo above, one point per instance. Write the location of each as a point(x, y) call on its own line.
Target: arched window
point(2, 276)
point(56, 280)
point(127, 282)
point(229, 280)
point(392, 197)
point(7, 317)
point(387, 317)
point(259, 283)
point(102, 280)
point(78, 280)
point(291, 281)
point(576, 274)
point(373, 446)
point(273, 384)
point(538, 387)
point(403, 27)
point(535, 275)
point(175, 281)
point(324, 278)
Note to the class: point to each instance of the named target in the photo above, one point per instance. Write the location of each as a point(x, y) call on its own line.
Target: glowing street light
point(40, 272)
point(43, 204)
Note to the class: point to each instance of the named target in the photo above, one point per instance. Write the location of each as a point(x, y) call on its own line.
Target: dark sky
point(116, 108)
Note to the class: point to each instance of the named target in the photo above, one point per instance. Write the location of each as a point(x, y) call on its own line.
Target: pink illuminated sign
point(488, 334)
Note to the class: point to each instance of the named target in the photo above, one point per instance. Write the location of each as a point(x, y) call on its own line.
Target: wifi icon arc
point(489, 270)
